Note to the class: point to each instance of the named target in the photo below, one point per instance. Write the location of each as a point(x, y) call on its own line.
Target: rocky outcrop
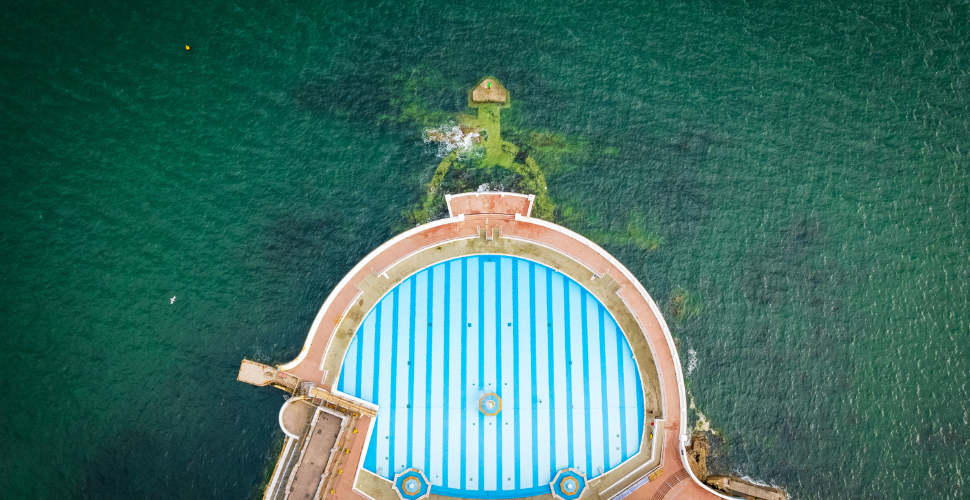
point(732, 485)
point(697, 454)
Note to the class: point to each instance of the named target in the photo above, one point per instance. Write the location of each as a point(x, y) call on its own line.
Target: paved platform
point(487, 203)
point(295, 415)
point(308, 476)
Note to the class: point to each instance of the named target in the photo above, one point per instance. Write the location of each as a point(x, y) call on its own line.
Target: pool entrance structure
point(413, 344)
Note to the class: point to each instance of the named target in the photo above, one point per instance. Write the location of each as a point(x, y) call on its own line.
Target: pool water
point(570, 390)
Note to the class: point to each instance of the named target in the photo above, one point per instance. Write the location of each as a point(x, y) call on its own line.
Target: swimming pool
point(569, 389)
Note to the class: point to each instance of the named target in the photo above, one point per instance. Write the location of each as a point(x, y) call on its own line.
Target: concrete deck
point(295, 415)
point(489, 90)
point(477, 226)
point(307, 477)
point(488, 203)
point(260, 375)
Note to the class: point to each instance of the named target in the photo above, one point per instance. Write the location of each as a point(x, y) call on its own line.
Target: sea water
point(803, 170)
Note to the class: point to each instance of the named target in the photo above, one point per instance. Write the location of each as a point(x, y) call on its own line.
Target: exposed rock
point(697, 454)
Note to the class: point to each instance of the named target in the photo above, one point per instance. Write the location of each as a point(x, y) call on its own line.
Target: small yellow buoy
point(188, 48)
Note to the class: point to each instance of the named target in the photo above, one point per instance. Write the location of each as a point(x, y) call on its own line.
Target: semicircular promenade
point(561, 410)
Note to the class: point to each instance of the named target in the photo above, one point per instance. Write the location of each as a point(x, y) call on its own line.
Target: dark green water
point(806, 167)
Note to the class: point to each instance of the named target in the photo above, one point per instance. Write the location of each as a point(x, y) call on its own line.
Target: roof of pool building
point(490, 354)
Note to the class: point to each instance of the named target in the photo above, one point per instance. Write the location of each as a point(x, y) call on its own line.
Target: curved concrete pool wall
point(499, 223)
point(510, 327)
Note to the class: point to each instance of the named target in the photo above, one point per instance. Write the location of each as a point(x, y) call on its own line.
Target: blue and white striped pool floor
point(570, 389)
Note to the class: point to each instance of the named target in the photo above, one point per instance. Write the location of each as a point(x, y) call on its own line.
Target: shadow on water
point(662, 180)
point(116, 469)
point(360, 98)
point(796, 295)
point(791, 251)
point(376, 97)
point(145, 463)
point(320, 246)
point(693, 142)
point(307, 252)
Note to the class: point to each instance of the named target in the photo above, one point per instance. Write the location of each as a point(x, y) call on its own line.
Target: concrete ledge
point(295, 414)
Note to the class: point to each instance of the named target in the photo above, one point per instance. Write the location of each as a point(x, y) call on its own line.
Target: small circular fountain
point(490, 404)
point(412, 484)
point(568, 484)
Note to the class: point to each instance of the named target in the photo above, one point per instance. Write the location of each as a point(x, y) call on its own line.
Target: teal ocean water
point(802, 171)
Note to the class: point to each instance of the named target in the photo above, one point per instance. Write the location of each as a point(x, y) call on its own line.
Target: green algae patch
point(270, 466)
point(479, 152)
point(411, 94)
point(557, 153)
point(684, 305)
point(635, 234)
point(476, 157)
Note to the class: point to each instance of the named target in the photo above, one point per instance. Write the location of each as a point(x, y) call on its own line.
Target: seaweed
point(635, 233)
point(474, 152)
point(411, 94)
point(684, 305)
point(473, 148)
point(556, 153)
